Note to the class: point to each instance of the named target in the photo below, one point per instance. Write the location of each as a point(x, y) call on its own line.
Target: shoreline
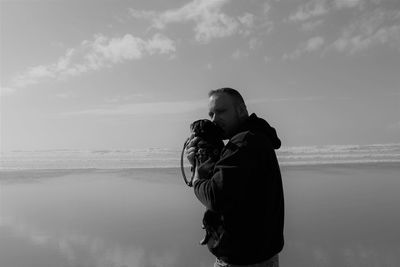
point(169, 168)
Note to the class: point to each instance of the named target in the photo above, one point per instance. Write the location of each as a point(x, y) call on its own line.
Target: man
point(245, 188)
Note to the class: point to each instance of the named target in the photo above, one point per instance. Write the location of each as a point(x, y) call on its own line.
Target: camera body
point(211, 142)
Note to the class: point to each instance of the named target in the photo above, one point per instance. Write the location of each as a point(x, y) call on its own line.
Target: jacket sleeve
point(227, 186)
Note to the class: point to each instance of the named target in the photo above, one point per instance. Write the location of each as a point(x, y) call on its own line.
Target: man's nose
point(214, 118)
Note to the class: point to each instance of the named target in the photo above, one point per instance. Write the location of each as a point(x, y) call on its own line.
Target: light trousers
point(272, 262)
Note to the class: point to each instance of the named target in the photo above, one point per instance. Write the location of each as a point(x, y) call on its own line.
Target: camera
point(211, 142)
point(209, 146)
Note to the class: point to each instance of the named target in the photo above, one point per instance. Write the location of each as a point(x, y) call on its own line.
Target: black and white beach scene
point(97, 99)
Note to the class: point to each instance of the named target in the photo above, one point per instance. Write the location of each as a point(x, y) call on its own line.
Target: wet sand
point(336, 215)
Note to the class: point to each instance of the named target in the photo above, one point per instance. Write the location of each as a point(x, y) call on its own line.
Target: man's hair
point(229, 91)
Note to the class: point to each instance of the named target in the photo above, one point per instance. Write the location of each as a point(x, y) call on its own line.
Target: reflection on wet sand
point(335, 216)
point(80, 250)
point(99, 218)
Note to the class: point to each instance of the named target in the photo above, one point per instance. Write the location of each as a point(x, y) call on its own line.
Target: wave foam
point(161, 158)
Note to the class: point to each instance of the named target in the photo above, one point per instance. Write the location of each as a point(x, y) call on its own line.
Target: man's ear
point(243, 111)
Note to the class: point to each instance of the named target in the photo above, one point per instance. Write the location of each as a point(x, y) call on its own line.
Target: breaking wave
point(162, 158)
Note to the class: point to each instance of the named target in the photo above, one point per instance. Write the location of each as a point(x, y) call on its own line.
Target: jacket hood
point(255, 123)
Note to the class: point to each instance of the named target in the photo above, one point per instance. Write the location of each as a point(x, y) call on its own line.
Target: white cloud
point(124, 98)
point(370, 28)
point(339, 4)
point(317, 8)
point(266, 8)
point(313, 44)
point(210, 22)
point(239, 54)
point(151, 108)
point(160, 44)
point(4, 91)
point(104, 50)
point(375, 28)
point(32, 75)
point(96, 54)
point(247, 20)
point(254, 43)
point(353, 44)
point(288, 99)
point(248, 23)
point(215, 27)
point(309, 10)
point(311, 25)
point(142, 14)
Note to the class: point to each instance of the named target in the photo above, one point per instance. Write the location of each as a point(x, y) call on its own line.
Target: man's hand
point(191, 149)
point(203, 170)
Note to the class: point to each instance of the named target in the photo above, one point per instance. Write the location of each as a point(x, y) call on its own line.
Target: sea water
point(161, 157)
point(337, 213)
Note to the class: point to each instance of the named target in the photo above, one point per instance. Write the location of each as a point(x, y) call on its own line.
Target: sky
point(134, 74)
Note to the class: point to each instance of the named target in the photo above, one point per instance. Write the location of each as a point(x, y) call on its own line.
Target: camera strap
point(189, 183)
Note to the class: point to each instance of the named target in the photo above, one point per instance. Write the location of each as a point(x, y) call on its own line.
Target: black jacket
point(246, 190)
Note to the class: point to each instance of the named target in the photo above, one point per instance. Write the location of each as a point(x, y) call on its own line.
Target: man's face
point(224, 112)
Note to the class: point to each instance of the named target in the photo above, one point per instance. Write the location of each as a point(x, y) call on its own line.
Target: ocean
point(131, 208)
point(162, 158)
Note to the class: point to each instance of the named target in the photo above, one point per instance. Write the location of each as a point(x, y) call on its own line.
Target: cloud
point(142, 14)
point(309, 10)
point(313, 44)
point(247, 19)
point(285, 99)
point(210, 22)
point(317, 8)
point(311, 25)
point(160, 44)
point(4, 91)
point(267, 59)
point(254, 43)
point(93, 55)
point(151, 108)
point(124, 98)
point(341, 4)
point(158, 108)
point(239, 54)
point(266, 8)
point(373, 28)
point(368, 28)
